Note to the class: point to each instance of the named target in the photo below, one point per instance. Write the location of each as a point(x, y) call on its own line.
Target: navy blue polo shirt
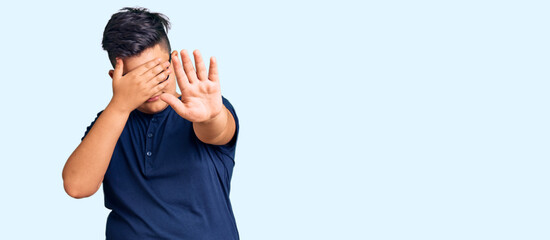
point(164, 183)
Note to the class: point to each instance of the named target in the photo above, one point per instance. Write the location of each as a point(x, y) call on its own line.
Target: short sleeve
point(90, 127)
point(230, 147)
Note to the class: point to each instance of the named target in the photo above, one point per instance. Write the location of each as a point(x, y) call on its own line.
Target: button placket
point(149, 144)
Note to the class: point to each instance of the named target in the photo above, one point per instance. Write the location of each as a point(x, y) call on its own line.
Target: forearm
point(84, 170)
point(218, 130)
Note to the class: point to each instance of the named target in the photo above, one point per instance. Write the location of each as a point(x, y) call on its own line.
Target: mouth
point(155, 98)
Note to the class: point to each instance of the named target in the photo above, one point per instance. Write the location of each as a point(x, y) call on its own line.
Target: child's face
point(155, 104)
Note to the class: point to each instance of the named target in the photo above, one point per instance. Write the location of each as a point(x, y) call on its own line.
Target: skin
point(135, 80)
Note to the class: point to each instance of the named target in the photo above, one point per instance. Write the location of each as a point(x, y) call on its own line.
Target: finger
point(159, 87)
point(118, 69)
point(143, 68)
point(188, 66)
point(159, 78)
point(180, 74)
point(201, 69)
point(157, 70)
point(175, 103)
point(213, 71)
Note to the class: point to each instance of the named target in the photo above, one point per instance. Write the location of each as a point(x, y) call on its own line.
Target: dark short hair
point(132, 30)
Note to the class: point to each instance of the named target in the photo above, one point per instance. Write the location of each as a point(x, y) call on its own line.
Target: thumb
point(175, 103)
point(118, 69)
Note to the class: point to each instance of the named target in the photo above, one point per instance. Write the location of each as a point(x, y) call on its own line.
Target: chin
point(153, 107)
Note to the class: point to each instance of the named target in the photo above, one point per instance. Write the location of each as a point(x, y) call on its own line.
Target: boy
point(165, 160)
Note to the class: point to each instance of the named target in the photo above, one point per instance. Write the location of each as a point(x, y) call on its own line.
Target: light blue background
point(359, 119)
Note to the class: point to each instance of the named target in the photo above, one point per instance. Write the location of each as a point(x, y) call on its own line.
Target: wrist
point(115, 106)
point(221, 115)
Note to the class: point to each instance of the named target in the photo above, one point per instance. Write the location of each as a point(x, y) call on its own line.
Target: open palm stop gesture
point(201, 98)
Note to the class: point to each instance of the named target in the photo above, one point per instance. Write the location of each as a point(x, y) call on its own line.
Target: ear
point(111, 72)
point(173, 55)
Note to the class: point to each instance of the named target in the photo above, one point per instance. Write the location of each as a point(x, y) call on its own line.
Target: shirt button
point(154, 119)
point(149, 153)
point(150, 135)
